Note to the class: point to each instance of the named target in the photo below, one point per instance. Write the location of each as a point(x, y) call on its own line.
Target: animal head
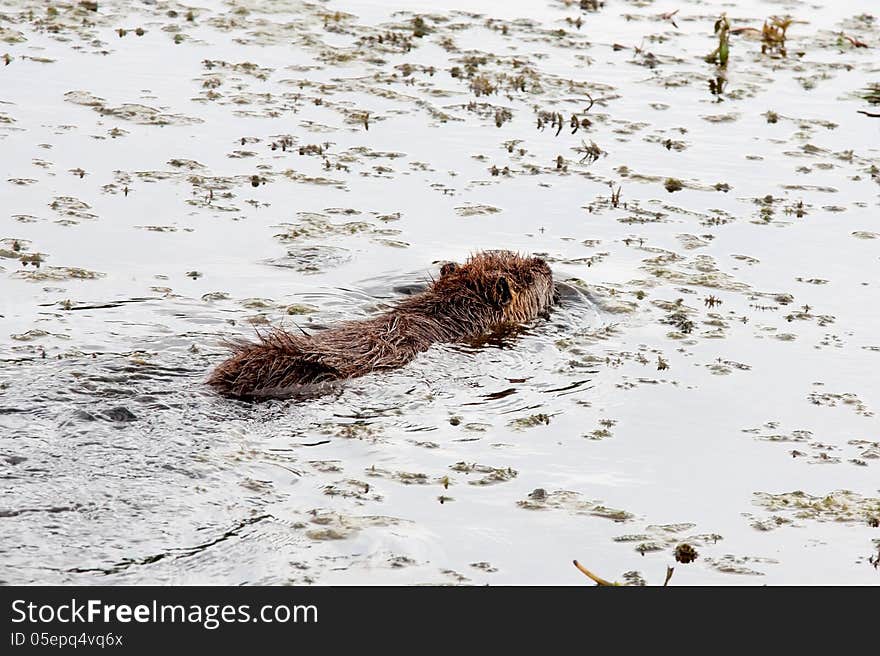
point(519, 287)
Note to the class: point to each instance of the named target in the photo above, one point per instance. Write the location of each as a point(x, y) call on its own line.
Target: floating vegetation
point(839, 506)
point(871, 94)
point(674, 538)
point(58, 274)
point(134, 112)
point(673, 184)
point(740, 566)
point(850, 400)
point(773, 34)
point(590, 154)
point(313, 224)
point(573, 503)
point(476, 210)
point(530, 422)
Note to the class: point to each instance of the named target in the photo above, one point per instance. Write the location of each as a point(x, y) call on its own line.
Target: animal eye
point(502, 291)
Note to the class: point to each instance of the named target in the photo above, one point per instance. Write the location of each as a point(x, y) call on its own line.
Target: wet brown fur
point(490, 290)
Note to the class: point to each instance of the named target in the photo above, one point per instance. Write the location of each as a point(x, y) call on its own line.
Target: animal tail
point(276, 363)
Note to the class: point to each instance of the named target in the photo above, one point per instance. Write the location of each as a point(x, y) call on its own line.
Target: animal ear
point(502, 291)
point(448, 268)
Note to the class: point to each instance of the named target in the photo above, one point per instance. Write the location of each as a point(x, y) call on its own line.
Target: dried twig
point(856, 43)
point(743, 29)
point(592, 102)
point(598, 580)
point(669, 16)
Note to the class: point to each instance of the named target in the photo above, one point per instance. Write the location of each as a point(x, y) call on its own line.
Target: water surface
point(174, 175)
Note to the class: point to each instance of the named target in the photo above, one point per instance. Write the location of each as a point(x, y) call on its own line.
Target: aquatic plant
point(722, 52)
point(773, 34)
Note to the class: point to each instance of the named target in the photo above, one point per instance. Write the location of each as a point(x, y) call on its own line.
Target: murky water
point(173, 176)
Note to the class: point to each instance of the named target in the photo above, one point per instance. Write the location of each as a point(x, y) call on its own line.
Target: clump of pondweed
point(773, 34)
point(673, 184)
point(420, 27)
point(871, 93)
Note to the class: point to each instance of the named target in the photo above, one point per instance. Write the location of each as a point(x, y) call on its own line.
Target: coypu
point(492, 289)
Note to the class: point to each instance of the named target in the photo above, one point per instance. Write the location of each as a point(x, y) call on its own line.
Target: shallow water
point(709, 377)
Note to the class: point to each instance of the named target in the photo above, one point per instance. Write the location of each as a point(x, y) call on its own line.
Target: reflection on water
point(183, 176)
